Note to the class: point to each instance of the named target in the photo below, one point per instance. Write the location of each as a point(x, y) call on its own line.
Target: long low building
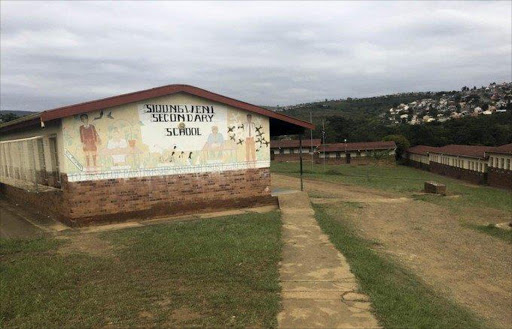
point(475, 164)
point(461, 161)
point(500, 166)
point(418, 156)
point(356, 153)
point(163, 151)
point(289, 150)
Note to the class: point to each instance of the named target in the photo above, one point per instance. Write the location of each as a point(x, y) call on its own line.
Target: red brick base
point(294, 157)
point(499, 178)
point(417, 164)
point(42, 203)
point(357, 161)
point(111, 200)
point(471, 176)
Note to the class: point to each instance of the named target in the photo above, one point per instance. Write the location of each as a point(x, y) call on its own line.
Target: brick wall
point(291, 157)
point(499, 178)
point(416, 164)
point(110, 200)
point(471, 176)
point(47, 202)
point(357, 161)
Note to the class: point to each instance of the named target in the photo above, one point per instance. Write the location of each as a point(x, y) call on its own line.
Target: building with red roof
point(500, 166)
point(476, 164)
point(360, 152)
point(162, 151)
point(418, 156)
point(285, 150)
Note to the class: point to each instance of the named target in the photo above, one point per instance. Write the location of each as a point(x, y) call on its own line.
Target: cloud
point(57, 53)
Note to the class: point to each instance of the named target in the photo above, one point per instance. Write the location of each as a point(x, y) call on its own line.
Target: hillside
point(6, 116)
point(412, 108)
point(472, 116)
point(18, 113)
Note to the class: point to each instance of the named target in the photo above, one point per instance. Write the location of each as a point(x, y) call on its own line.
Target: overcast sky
point(266, 53)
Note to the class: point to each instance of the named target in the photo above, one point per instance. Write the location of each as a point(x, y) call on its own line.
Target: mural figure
point(90, 139)
point(136, 143)
point(214, 144)
point(250, 144)
point(117, 147)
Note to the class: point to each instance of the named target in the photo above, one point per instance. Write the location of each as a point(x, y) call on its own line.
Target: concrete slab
point(318, 288)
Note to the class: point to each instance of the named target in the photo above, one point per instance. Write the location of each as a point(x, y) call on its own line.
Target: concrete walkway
point(318, 289)
point(14, 225)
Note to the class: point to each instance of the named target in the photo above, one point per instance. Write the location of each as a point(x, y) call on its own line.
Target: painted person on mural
point(90, 139)
point(214, 144)
point(250, 144)
point(117, 147)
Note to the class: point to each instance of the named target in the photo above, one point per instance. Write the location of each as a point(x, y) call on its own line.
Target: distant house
point(364, 152)
point(289, 150)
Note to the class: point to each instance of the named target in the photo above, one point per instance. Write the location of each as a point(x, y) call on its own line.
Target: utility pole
point(311, 138)
point(346, 159)
point(300, 153)
point(323, 137)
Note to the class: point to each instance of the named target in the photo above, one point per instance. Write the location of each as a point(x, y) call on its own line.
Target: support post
point(32, 166)
point(300, 157)
point(311, 141)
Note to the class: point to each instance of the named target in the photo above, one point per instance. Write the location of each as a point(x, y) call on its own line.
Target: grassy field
point(400, 299)
point(210, 273)
point(403, 180)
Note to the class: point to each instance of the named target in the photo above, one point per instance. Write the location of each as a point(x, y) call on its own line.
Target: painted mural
point(165, 137)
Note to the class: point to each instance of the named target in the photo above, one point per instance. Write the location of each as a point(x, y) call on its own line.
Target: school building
point(418, 156)
point(475, 164)
point(169, 150)
point(289, 150)
point(356, 153)
point(500, 166)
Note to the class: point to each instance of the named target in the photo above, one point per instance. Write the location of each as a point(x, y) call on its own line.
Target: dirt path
point(318, 288)
point(470, 267)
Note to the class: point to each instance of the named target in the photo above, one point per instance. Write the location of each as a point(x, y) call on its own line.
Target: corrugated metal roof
point(469, 151)
point(294, 143)
point(421, 149)
point(503, 149)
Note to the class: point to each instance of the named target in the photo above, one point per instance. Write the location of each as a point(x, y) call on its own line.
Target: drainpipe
point(300, 155)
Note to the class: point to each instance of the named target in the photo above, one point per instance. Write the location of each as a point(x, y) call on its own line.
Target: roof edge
point(164, 91)
point(25, 121)
point(137, 96)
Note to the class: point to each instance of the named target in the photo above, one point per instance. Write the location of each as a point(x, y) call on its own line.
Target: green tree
point(401, 142)
point(6, 117)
